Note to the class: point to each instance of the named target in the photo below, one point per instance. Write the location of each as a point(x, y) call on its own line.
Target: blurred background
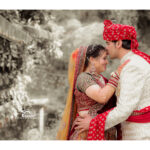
point(35, 46)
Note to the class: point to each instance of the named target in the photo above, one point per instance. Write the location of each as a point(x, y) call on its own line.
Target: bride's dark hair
point(93, 51)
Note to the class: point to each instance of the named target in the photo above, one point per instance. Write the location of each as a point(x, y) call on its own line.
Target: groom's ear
point(119, 44)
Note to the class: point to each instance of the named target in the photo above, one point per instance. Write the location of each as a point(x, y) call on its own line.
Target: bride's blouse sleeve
point(84, 80)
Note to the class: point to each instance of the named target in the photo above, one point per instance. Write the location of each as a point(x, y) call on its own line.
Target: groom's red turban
point(114, 32)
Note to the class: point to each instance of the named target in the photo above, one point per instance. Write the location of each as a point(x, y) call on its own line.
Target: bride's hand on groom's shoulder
point(82, 123)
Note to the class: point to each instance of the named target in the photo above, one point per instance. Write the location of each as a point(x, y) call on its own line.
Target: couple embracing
point(114, 109)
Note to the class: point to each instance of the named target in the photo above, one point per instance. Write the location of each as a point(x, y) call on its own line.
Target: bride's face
point(101, 62)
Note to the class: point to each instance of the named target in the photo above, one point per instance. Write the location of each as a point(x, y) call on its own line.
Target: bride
point(90, 92)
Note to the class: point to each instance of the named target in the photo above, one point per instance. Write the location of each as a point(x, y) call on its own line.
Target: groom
point(133, 91)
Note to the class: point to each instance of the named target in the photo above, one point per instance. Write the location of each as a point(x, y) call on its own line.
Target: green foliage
point(44, 65)
point(10, 63)
point(13, 95)
point(10, 15)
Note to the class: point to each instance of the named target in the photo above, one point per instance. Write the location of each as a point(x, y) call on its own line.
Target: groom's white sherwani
point(133, 93)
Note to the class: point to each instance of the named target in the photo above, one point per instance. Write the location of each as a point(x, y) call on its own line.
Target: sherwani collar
point(126, 57)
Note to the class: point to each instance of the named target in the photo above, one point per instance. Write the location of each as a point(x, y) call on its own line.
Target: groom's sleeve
point(131, 84)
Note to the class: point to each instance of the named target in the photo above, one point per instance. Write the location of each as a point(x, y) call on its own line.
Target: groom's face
point(112, 50)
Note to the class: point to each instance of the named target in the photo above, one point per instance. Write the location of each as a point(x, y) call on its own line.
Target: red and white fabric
point(114, 32)
point(133, 100)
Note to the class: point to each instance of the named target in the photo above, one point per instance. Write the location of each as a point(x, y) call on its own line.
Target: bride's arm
point(101, 95)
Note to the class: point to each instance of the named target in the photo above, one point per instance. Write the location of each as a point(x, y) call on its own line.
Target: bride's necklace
point(98, 78)
point(95, 74)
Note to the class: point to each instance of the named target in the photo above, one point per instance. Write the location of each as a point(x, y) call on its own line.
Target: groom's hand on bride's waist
point(82, 123)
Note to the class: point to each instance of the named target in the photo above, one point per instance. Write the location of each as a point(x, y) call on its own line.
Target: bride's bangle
point(114, 79)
